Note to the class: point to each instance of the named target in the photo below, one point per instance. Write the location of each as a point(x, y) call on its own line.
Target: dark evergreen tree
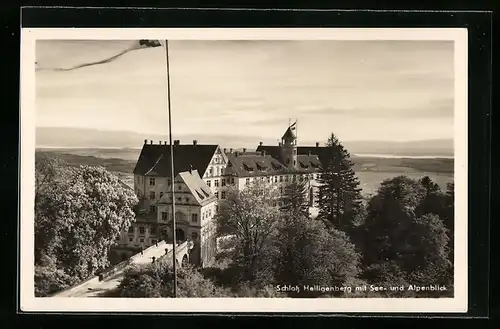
point(294, 198)
point(339, 195)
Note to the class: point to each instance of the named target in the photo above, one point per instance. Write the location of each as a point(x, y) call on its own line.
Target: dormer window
point(247, 167)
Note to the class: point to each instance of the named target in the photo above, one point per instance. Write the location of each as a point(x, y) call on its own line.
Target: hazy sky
point(360, 90)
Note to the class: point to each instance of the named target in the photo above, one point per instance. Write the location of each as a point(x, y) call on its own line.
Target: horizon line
point(166, 134)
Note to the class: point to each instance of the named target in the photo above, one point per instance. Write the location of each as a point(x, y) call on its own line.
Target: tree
point(448, 217)
point(395, 234)
point(79, 212)
point(339, 195)
point(49, 279)
point(433, 200)
point(310, 253)
point(252, 215)
point(295, 198)
point(156, 280)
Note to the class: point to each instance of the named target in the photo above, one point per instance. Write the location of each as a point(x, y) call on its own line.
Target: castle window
point(281, 179)
point(275, 179)
point(216, 183)
point(269, 179)
point(209, 183)
point(187, 199)
point(179, 187)
point(141, 230)
point(211, 171)
point(161, 194)
point(294, 152)
point(152, 208)
point(232, 180)
point(294, 162)
point(194, 218)
point(222, 171)
point(223, 182)
point(152, 181)
point(286, 179)
point(247, 181)
point(223, 195)
point(217, 195)
point(164, 216)
point(287, 161)
point(131, 229)
point(130, 239)
point(152, 195)
point(141, 240)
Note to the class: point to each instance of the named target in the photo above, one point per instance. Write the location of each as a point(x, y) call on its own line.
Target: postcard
point(316, 170)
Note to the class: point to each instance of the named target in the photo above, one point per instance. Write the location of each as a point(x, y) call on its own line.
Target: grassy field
point(371, 171)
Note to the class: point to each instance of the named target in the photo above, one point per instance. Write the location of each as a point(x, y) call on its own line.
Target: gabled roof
point(154, 159)
point(253, 164)
point(196, 186)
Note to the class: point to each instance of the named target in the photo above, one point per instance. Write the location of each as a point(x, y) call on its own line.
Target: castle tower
point(288, 147)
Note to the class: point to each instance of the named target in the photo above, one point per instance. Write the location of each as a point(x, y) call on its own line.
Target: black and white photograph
point(257, 170)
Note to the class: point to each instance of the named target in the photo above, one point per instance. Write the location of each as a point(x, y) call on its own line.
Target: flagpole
point(296, 131)
point(171, 169)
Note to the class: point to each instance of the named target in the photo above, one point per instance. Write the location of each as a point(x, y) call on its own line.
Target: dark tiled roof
point(155, 159)
point(321, 151)
point(253, 164)
point(308, 163)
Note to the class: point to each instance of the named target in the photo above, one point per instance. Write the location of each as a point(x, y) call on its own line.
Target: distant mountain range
point(90, 138)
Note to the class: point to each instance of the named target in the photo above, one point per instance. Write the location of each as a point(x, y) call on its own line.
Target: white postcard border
point(29, 303)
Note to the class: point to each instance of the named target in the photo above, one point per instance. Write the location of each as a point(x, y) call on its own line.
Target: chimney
point(244, 150)
point(195, 142)
point(159, 142)
point(260, 143)
point(177, 142)
point(165, 142)
point(317, 144)
point(235, 154)
point(230, 150)
point(190, 169)
point(151, 142)
point(145, 141)
point(225, 150)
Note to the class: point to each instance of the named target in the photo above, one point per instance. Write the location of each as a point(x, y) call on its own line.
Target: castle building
point(194, 215)
point(203, 173)
point(152, 171)
point(279, 165)
point(152, 181)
